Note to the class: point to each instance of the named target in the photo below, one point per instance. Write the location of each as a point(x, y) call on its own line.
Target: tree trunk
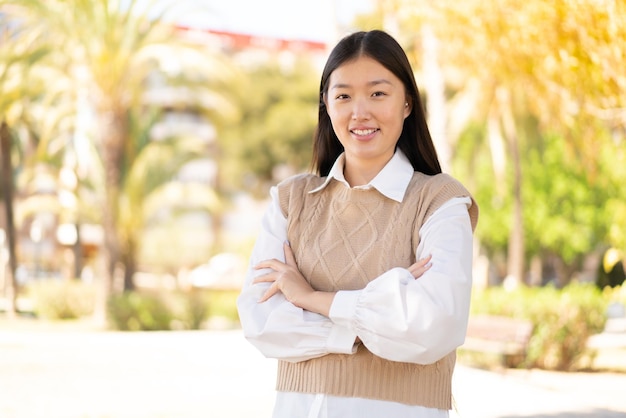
point(434, 86)
point(217, 214)
point(113, 133)
point(497, 147)
point(130, 265)
point(7, 190)
point(515, 264)
point(77, 249)
point(564, 271)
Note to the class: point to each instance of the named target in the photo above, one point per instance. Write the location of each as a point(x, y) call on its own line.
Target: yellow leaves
point(565, 53)
point(611, 257)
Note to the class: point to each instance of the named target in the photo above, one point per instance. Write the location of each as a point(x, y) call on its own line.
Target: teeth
point(364, 131)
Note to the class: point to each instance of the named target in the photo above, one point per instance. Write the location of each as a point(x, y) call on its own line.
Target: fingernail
point(287, 243)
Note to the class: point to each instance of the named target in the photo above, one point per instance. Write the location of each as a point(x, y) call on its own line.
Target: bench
point(503, 336)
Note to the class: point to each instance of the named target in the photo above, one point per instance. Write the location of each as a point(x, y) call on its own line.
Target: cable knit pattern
point(342, 239)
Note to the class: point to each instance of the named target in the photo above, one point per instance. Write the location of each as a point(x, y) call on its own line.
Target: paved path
point(217, 374)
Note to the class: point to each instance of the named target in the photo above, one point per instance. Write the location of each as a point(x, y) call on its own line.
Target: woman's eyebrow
point(369, 83)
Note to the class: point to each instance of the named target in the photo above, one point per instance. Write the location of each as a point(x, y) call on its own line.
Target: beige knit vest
point(342, 239)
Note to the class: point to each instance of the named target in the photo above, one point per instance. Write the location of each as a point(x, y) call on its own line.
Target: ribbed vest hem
point(364, 375)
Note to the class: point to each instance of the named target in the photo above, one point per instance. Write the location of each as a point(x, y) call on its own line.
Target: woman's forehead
point(362, 70)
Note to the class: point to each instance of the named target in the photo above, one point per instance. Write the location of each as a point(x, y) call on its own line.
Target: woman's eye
point(379, 94)
point(342, 97)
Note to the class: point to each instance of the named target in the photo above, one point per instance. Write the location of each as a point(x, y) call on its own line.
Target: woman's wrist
point(318, 302)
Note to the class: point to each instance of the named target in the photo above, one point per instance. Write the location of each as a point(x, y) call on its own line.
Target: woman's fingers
point(272, 277)
point(420, 267)
point(290, 258)
point(283, 277)
point(265, 278)
point(273, 264)
point(273, 289)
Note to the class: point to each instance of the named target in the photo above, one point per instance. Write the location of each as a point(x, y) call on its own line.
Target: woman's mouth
point(364, 133)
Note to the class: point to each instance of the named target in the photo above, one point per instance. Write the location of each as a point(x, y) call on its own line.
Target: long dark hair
point(415, 140)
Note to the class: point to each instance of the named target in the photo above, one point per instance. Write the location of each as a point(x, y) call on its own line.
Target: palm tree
point(19, 51)
point(554, 63)
point(117, 46)
point(150, 168)
point(7, 197)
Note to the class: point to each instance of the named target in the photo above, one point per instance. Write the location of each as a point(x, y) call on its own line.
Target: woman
point(360, 280)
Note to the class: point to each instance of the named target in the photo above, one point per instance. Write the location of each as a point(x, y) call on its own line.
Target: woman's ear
point(408, 106)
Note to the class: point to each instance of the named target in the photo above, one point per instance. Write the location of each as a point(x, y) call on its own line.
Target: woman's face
point(367, 105)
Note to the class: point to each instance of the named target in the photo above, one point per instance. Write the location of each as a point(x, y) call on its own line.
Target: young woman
point(360, 280)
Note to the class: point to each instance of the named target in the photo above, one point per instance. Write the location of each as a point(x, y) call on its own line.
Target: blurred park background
point(140, 139)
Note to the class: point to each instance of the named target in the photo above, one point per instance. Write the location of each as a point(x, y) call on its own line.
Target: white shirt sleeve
point(420, 321)
point(276, 327)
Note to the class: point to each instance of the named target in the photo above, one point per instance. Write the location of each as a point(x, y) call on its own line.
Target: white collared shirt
point(434, 308)
point(391, 181)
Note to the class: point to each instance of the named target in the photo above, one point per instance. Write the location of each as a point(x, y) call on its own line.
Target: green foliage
point(564, 319)
point(557, 62)
point(117, 50)
point(195, 310)
point(149, 188)
point(615, 294)
point(61, 299)
point(563, 209)
point(473, 164)
point(278, 114)
point(223, 303)
point(569, 211)
point(135, 311)
point(150, 311)
point(612, 160)
point(190, 310)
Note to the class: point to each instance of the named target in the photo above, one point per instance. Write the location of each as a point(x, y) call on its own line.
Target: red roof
point(244, 41)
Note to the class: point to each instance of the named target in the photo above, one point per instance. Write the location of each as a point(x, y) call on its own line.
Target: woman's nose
point(360, 110)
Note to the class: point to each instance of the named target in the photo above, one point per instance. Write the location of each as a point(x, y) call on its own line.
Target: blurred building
point(49, 240)
point(183, 117)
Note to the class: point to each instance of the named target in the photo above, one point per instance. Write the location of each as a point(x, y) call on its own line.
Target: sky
point(315, 20)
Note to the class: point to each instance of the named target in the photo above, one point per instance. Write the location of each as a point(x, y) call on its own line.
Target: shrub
point(190, 310)
point(615, 294)
point(144, 310)
point(139, 311)
point(563, 319)
point(223, 303)
point(61, 299)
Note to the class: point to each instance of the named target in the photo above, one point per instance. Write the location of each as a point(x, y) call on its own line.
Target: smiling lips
point(364, 133)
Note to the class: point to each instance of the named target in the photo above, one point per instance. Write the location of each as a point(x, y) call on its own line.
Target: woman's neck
point(360, 173)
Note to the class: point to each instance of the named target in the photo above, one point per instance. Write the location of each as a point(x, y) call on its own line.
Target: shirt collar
point(392, 181)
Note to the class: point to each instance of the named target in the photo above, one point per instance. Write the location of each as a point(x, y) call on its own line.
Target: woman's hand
point(285, 278)
point(420, 267)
